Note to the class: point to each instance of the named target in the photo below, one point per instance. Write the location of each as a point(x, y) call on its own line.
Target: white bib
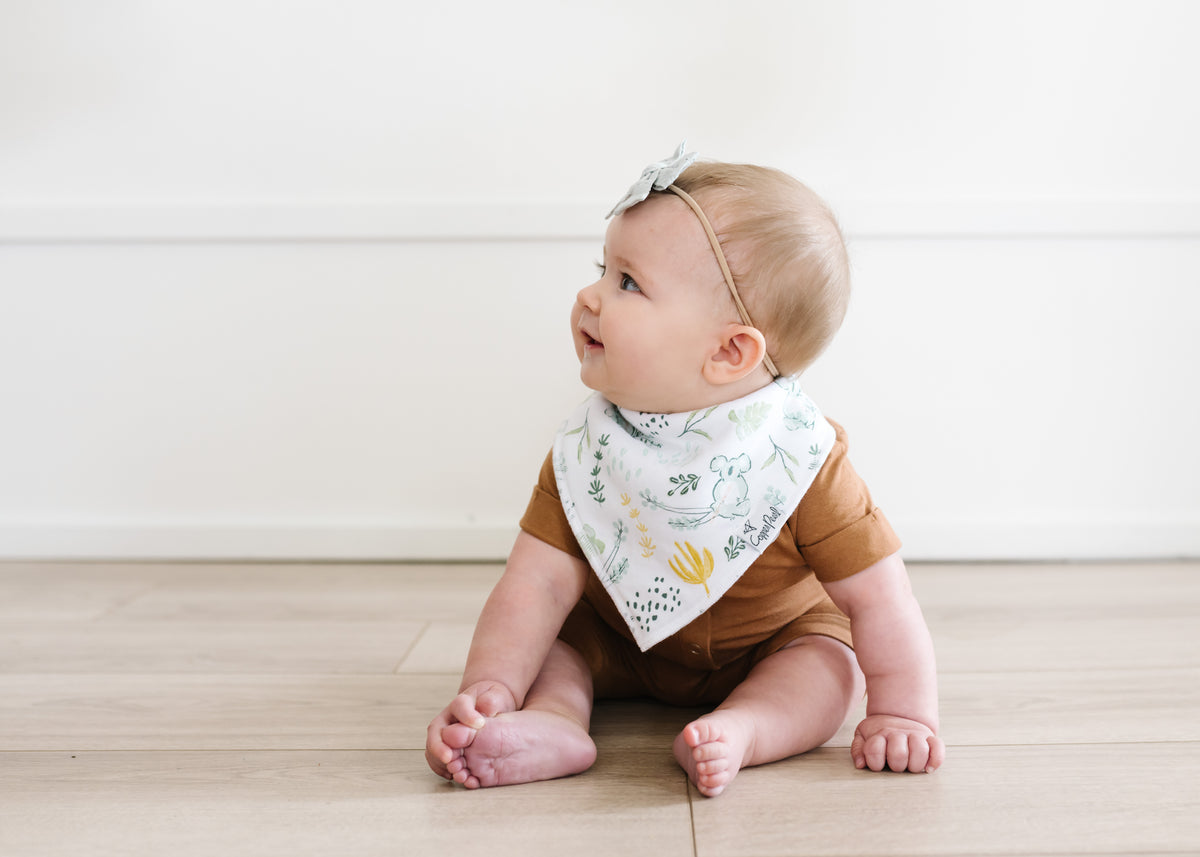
point(671, 509)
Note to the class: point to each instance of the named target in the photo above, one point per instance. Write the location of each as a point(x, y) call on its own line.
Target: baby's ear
point(740, 352)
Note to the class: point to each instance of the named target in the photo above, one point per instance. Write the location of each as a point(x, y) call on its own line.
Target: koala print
point(732, 491)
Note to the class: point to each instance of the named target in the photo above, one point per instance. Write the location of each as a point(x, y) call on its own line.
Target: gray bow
point(657, 176)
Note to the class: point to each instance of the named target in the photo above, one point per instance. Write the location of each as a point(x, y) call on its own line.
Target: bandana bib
point(671, 509)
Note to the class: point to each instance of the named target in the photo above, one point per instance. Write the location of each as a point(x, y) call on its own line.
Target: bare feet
point(518, 747)
point(712, 748)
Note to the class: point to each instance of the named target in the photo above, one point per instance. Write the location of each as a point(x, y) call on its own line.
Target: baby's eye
point(628, 284)
point(600, 266)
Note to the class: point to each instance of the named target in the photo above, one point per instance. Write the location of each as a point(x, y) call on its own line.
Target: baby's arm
point(518, 625)
point(895, 652)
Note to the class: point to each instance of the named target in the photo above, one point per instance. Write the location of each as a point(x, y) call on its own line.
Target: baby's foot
point(711, 750)
point(518, 747)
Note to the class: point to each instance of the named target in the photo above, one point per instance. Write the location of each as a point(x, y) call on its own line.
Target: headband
point(660, 176)
point(733, 292)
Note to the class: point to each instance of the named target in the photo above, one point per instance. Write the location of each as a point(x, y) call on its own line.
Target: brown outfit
point(835, 532)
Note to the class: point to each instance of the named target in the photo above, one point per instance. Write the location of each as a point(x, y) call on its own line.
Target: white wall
point(292, 279)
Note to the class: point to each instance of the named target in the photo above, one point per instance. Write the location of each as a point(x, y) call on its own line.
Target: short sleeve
point(839, 530)
point(544, 518)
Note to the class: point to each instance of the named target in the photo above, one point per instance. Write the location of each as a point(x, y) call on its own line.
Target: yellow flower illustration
point(692, 567)
point(647, 543)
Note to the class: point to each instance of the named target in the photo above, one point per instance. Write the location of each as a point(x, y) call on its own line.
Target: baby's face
point(644, 329)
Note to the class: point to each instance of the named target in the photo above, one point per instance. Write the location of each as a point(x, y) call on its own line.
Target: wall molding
point(233, 222)
point(1034, 539)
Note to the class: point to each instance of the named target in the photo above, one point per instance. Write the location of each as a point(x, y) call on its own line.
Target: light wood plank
point(225, 712)
point(1056, 617)
point(155, 647)
point(1123, 799)
point(301, 803)
point(37, 592)
point(1024, 643)
point(1146, 590)
point(370, 593)
point(442, 648)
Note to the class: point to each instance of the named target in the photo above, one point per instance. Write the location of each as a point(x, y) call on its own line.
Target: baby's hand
point(897, 743)
point(469, 709)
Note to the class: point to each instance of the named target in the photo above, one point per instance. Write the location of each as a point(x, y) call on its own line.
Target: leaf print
point(585, 437)
point(614, 554)
point(751, 419)
point(594, 543)
point(596, 489)
point(775, 456)
point(798, 410)
point(684, 483)
point(734, 548)
point(693, 421)
point(693, 567)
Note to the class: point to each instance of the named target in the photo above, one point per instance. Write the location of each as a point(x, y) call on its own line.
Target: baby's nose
point(589, 297)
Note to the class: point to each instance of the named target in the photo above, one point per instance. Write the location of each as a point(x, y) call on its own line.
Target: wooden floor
point(280, 709)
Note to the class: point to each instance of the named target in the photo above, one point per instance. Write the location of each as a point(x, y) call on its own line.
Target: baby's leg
point(792, 701)
point(547, 738)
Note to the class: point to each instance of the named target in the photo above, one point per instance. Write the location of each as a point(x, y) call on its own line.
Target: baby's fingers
point(462, 708)
point(494, 701)
point(899, 746)
point(897, 750)
point(925, 754)
point(937, 754)
point(437, 754)
point(869, 752)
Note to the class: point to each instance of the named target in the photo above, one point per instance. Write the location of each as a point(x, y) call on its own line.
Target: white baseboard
point(989, 540)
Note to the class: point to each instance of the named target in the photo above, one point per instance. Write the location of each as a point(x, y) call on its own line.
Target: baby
point(698, 535)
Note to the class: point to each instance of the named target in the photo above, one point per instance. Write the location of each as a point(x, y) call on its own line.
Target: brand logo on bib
point(764, 534)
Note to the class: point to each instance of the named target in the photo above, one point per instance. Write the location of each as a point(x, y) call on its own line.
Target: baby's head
point(727, 276)
point(785, 251)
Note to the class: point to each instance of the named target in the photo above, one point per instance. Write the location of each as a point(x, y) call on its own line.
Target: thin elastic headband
point(720, 254)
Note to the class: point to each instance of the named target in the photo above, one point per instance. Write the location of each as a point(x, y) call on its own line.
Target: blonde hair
point(786, 253)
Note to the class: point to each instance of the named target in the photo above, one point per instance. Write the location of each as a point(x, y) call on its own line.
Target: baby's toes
point(712, 767)
point(710, 752)
point(700, 733)
point(458, 735)
point(711, 786)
